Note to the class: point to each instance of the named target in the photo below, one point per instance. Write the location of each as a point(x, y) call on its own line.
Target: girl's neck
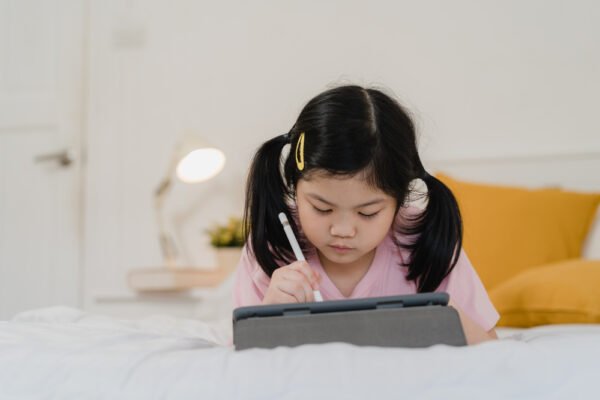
point(346, 276)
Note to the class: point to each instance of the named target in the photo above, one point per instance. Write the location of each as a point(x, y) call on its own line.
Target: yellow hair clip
point(300, 152)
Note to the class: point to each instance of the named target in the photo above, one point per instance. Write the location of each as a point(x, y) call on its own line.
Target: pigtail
point(439, 228)
point(266, 194)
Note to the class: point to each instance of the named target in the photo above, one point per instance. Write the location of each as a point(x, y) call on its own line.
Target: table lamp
point(193, 161)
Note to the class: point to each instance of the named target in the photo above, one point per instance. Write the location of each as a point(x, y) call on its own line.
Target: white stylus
point(296, 247)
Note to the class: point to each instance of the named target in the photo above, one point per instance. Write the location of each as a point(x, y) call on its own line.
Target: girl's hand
point(292, 283)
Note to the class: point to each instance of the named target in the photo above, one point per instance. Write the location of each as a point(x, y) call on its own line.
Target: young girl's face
point(344, 218)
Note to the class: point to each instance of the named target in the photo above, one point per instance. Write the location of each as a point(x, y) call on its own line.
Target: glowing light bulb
point(200, 165)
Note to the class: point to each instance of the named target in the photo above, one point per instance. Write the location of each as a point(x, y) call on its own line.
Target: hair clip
point(300, 152)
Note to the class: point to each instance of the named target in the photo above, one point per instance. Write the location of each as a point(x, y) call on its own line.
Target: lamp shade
point(198, 161)
point(200, 165)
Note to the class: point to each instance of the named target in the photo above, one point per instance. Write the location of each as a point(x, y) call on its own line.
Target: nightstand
point(177, 279)
point(186, 292)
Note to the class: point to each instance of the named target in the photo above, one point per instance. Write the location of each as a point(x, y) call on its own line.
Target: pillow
point(510, 229)
point(591, 248)
point(561, 293)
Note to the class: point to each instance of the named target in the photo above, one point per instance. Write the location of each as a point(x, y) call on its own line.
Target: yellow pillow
point(509, 229)
point(561, 293)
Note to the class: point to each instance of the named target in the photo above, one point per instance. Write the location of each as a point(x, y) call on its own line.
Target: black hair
point(350, 130)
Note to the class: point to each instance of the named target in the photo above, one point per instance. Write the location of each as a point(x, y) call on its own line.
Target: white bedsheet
point(62, 353)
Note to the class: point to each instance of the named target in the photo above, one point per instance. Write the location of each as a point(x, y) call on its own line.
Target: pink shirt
point(385, 277)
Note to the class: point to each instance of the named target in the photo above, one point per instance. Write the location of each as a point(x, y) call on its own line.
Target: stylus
point(296, 247)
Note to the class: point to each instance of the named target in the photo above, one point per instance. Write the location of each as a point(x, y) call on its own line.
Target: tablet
point(417, 320)
point(321, 307)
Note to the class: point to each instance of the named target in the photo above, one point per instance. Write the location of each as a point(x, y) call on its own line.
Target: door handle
point(64, 158)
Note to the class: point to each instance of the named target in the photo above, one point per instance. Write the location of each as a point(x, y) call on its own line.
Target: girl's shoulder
point(247, 260)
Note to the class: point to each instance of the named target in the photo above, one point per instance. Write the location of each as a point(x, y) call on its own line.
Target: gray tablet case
point(418, 320)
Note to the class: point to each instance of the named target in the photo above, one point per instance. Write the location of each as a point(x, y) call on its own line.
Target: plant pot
point(228, 257)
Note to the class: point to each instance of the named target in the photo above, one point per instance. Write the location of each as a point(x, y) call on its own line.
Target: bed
point(65, 353)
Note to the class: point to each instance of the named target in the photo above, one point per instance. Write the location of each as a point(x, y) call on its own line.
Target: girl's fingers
point(292, 289)
point(301, 282)
point(311, 275)
point(292, 283)
point(283, 297)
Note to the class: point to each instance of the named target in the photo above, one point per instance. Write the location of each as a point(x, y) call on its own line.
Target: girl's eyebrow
point(368, 203)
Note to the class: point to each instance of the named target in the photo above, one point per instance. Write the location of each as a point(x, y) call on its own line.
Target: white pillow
point(591, 247)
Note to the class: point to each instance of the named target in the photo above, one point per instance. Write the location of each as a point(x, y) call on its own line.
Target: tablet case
point(418, 320)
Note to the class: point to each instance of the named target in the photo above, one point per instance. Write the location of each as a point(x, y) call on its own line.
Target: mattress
point(64, 353)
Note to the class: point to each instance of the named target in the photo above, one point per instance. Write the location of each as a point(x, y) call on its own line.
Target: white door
point(41, 111)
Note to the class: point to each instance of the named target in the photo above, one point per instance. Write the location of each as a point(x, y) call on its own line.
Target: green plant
point(228, 235)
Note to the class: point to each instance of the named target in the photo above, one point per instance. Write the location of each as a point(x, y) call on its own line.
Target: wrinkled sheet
point(64, 353)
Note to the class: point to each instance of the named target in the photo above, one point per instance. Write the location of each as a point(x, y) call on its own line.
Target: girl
point(345, 186)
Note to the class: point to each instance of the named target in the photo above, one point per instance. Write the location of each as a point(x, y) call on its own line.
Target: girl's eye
point(321, 211)
point(368, 215)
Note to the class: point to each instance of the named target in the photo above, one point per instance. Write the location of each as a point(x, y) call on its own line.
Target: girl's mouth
point(341, 249)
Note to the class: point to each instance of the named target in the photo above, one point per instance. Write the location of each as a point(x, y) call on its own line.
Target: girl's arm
point(473, 332)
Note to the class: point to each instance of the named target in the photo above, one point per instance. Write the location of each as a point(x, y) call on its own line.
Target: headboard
point(571, 171)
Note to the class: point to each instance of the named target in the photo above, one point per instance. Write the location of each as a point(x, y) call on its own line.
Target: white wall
point(483, 78)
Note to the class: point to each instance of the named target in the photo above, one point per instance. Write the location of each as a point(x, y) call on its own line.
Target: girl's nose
point(343, 229)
